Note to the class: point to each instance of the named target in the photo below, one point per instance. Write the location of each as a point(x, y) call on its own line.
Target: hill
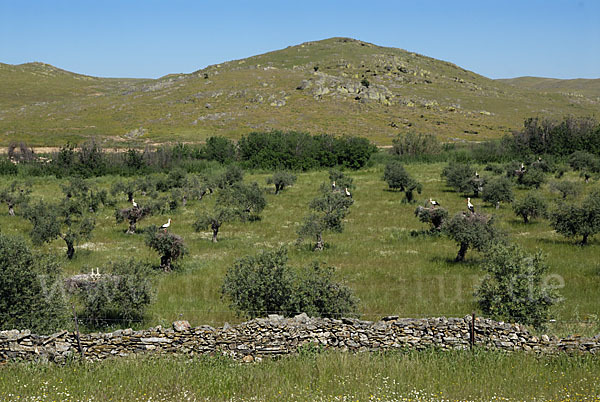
point(337, 85)
point(573, 87)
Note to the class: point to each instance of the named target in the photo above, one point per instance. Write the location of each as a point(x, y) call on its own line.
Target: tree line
point(258, 150)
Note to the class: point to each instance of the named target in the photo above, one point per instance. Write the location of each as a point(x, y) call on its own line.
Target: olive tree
point(132, 215)
point(498, 190)
point(584, 161)
point(573, 220)
point(329, 209)
point(170, 246)
point(281, 179)
point(69, 221)
point(513, 288)
point(214, 219)
point(266, 284)
point(434, 216)
point(236, 202)
point(127, 187)
point(471, 230)
point(566, 188)
point(80, 191)
point(398, 179)
point(531, 206)
point(233, 174)
point(14, 195)
point(247, 199)
point(340, 179)
point(462, 178)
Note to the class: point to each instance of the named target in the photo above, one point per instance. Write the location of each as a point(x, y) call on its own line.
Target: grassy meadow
point(391, 271)
point(412, 376)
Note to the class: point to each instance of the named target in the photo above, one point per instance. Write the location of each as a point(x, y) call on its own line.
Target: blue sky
point(128, 38)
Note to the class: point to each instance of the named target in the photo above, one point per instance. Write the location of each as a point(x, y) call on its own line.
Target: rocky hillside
point(337, 85)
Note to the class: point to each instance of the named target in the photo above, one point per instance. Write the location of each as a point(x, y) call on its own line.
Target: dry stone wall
point(275, 335)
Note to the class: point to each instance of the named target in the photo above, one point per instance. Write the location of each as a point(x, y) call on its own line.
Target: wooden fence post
point(77, 331)
point(472, 334)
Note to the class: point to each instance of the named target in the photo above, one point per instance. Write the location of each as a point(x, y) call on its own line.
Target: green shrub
point(566, 188)
point(544, 136)
point(532, 177)
point(531, 206)
point(265, 284)
point(413, 144)
point(513, 288)
point(340, 179)
point(122, 294)
point(498, 190)
point(301, 151)
point(31, 289)
point(220, 149)
point(398, 179)
point(7, 168)
point(354, 152)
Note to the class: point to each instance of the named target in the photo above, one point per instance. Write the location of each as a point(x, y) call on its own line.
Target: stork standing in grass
point(470, 206)
point(347, 192)
point(333, 186)
point(166, 225)
point(135, 204)
point(434, 203)
point(476, 174)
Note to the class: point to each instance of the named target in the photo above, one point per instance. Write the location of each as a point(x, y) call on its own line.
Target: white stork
point(347, 192)
point(166, 225)
point(476, 174)
point(522, 167)
point(135, 204)
point(470, 206)
point(333, 186)
point(95, 275)
point(434, 203)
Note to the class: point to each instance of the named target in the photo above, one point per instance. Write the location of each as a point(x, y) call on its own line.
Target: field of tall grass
point(391, 271)
point(412, 376)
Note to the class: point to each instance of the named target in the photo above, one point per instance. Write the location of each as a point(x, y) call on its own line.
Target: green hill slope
point(579, 86)
point(337, 85)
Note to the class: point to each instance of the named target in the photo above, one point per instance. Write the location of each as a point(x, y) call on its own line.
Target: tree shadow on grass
point(469, 262)
point(516, 222)
point(573, 241)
